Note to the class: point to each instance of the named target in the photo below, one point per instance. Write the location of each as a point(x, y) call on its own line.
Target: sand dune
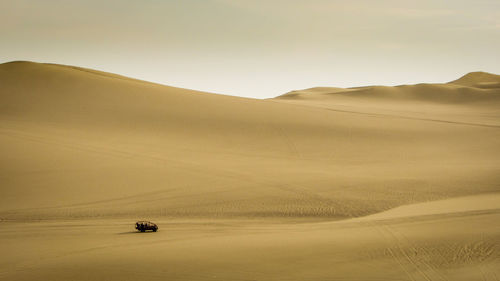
point(470, 88)
point(477, 79)
point(473, 99)
point(468, 204)
point(80, 143)
point(238, 185)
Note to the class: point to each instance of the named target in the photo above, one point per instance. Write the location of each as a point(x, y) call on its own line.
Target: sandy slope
point(79, 143)
point(467, 100)
point(238, 185)
point(408, 248)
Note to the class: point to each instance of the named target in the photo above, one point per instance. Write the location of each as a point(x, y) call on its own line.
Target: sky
point(259, 48)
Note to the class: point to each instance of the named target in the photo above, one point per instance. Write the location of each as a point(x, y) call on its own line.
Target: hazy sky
point(259, 48)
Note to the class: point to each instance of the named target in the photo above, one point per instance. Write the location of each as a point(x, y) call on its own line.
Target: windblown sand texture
point(368, 183)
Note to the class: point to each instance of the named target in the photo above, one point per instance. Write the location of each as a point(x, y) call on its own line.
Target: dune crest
point(473, 99)
point(472, 87)
point(477, 79)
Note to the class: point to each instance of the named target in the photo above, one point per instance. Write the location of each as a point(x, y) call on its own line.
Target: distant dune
point(478, 80)
point(475, 87)
point(368, 183)
point(473, 99)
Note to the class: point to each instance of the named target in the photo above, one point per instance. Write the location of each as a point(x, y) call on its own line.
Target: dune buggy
point(142, 226)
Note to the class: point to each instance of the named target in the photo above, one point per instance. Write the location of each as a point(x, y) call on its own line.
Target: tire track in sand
point(391, 252)
point(404, 241)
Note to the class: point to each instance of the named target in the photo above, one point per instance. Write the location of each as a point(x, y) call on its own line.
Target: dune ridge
point(470, 88)
point(472, 100)
point(477, 79)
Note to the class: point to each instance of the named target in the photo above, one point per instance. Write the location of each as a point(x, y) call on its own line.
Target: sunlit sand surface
point(371, 183)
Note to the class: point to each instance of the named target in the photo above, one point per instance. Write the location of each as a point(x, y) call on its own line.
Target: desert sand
point(367, 183)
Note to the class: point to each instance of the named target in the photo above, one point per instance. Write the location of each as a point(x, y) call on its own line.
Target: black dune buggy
point(142, 226)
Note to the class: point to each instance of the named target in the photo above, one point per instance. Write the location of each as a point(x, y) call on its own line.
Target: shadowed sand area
point(370, 183)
